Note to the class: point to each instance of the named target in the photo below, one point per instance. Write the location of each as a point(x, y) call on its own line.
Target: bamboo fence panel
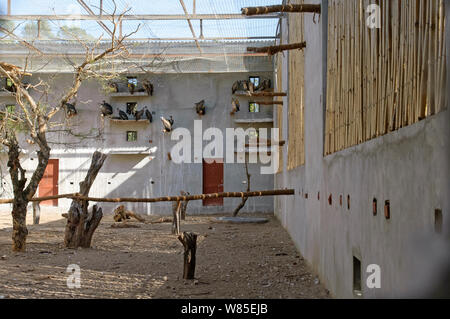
point(296, 148)
point(380, 80)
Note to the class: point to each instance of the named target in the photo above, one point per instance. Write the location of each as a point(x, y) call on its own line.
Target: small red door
point(213, 181)
point(49, 182)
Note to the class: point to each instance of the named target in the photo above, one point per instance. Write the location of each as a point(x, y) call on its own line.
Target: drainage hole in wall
point(438, 221)
point(375, 207)
point(387, 209)
point(71, 183)
point(340, 200)
point(357, 289)
point(348, 202)
point(318, 196)
point(330, 199)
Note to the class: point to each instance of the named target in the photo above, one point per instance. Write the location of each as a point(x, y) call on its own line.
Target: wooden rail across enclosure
point(164, 198)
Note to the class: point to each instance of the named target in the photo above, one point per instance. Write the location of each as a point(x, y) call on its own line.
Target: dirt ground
point(233, 261)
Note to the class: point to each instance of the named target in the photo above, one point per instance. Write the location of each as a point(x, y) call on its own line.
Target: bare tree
point(33, 119)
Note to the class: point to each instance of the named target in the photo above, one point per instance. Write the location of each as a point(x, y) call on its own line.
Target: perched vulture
point(265, 85)
point(139, 114)
point(114, 87)
point(70, 110)
point(106, 109)
point(122, 114)
point(235, 106)
point(235, 87)
point(251, 87)
point(167, 124)
point(148, 115)
point(245, 85)
point(148, 87)
point(131, 87)
point(200, 107)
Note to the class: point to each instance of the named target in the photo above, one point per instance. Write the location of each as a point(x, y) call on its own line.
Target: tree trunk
point(244, 199)
point(189, 241)
point(176, 210)
point(20, 231)
point(80, 224)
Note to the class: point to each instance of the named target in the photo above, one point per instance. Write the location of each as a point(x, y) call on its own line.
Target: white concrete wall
point(131, 175)
point(409, 167)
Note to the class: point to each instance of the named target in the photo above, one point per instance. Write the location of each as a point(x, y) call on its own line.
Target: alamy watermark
point(374, 19)
point(237, 142)
point(74, 279)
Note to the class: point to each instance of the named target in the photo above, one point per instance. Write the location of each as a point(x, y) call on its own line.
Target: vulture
point(251, 87)
point(167, 124)
point(200, 107)
point(71, 111)
point(139, 114)
point(235, 106)
point(148, 115)
point(122, 114)
point(235, 87)
point(148, 87)
point(245, 85)
point(131, 88)
point(106, 109)
point(265, 85)
point(114, 87)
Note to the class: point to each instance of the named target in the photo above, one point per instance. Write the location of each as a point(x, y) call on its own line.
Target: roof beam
point(107, 17)
point(86, 7)
point(190, 26)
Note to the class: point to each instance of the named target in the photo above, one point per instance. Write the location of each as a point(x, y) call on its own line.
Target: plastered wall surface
point(409, 168)
point(153, 174)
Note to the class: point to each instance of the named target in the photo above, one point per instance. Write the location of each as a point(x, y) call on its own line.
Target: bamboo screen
point(380, 80)
point(296, 149)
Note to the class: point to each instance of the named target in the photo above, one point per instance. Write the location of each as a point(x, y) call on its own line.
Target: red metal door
point(49, 182)
point(213, 181)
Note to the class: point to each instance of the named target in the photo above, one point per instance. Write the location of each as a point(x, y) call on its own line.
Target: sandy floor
point(233, 261)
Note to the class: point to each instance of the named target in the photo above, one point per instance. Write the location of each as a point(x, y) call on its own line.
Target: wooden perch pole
point(190, 197)
point(271, 50)
point(189, 241)
point(78, 196)
point(176, 218)
point(299, 8)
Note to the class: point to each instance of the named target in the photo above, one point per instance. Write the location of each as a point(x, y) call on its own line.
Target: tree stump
point(189, 241)
point(121, 214)
point(176, 211)
point(36, 213)
point(81, 224)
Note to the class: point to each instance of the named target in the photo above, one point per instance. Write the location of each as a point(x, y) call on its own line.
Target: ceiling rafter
point(190, 26)
point(107, 17)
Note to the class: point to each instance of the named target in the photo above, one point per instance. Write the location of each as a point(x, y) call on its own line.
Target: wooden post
point(244, 199)
point(36, 213)
point(9, 7)
point(176, 218)
point(189, 241)
point(184, 205)
point(311, 8)
point(271, 50)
